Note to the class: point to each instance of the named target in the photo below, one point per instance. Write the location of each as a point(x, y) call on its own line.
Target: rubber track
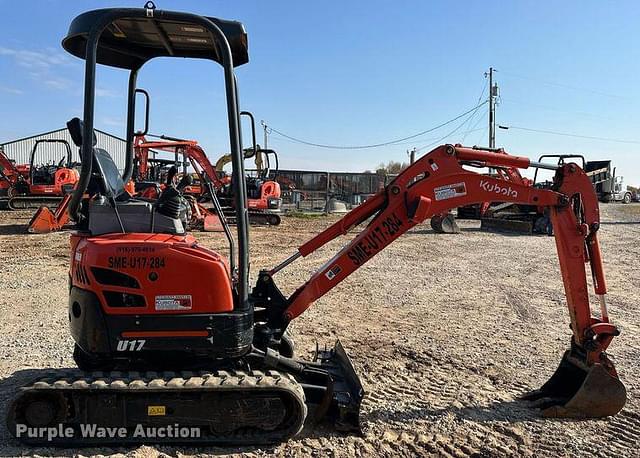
point(256, 218)
point(35, 202)
point(71, 381)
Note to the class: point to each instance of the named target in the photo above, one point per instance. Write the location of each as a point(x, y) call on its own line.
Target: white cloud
point(108, 121)
point(11, 90)
point(42, 67)
point(57, 83)
point(101, 92)
point(30, 59)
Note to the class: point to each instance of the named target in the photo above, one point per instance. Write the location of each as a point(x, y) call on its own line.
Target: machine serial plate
point(175, 302)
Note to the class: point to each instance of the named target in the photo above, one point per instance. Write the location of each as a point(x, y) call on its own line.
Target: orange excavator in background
point(10, 174)
point(264, 199)
point(35, 184)
point(262, 203)
point(169, 334)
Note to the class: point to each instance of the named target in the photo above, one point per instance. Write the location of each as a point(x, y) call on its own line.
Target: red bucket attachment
point(43, 222)
point(445, 224)
point(579, 391)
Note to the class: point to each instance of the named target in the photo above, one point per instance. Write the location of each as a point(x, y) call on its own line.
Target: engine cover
point(146, 296)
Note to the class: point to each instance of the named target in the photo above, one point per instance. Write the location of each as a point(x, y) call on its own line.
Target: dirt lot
point(445, 331)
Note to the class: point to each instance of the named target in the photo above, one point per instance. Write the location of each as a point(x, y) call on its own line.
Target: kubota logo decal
point(501, 190)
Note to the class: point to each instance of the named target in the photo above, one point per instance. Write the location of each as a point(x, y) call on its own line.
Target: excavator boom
point(438, 182)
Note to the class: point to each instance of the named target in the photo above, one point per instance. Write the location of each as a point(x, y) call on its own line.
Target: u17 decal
point(130, 345)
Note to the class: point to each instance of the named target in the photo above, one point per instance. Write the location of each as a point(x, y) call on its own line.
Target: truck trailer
point(608, 186)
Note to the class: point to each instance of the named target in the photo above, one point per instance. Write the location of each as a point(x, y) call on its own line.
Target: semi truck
point(609, 187)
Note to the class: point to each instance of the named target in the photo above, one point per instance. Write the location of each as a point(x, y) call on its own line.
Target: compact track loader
point(168, 333)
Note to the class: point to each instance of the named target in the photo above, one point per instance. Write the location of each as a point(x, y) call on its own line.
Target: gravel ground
point(445, 331)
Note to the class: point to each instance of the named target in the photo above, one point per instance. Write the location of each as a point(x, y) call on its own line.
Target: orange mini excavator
point(168, 333)
point(35, 184)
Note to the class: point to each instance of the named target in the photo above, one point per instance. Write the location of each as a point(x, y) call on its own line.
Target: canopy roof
point(133, 36)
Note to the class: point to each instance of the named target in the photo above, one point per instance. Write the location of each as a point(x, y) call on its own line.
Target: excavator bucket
point(43, 222)
point(445, 224)
point(574, 391)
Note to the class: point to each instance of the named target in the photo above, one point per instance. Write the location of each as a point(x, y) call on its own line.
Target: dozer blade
point(445, 224)
point(577, 391)
point(332, 389)
point(43, 222)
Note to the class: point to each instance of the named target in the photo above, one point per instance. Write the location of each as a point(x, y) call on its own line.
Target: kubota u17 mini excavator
point(168, 332)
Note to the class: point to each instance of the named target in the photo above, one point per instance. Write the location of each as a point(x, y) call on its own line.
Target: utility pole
point(493, 93)
point(412, 155)
point(266, 134)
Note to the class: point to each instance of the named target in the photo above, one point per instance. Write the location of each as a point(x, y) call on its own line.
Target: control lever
point(171, 174)
point(186, 180)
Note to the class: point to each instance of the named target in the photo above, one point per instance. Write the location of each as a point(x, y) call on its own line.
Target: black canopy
point(130, 40)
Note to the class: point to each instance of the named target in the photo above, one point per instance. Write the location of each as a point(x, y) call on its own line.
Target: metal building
point(19, 150)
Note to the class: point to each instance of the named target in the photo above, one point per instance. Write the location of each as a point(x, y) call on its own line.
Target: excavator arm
point(8, 170)
point(189, 148)
point(438, 182)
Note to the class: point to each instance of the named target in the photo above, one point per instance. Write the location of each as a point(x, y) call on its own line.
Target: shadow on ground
point(13, 229)
point(514, 411)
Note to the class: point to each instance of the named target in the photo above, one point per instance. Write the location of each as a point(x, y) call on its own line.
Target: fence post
point(326, 198)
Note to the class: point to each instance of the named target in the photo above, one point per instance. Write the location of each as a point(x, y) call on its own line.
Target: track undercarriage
point(71, 407)
point(30, 202)
point(134, 407)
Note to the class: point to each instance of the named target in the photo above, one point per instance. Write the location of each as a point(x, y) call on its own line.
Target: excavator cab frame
point(65, 162)
point(561, 160)
point(128, 38)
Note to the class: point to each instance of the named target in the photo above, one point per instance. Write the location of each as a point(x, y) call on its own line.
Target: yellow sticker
point(156, 410)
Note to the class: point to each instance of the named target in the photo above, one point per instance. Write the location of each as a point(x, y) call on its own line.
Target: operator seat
point(110, 207)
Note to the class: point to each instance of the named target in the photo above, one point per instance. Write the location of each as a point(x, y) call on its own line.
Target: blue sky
point(361, 72)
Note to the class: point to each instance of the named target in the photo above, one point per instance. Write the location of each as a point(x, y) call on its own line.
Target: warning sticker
point(331, 273)
point(177, 302)
point(449, 191)
point(154, 411)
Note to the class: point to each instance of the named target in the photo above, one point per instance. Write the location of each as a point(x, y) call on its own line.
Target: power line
point(566, 134)
point(376, 145)
point(473, 128)
point(510, 100)
point(484, 88)
point(446, 136)
point(562, 85)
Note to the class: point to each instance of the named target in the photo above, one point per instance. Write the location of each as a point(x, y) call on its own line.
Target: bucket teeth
point(574, 391)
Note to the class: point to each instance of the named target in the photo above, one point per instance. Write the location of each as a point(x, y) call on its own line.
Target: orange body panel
point(268, 190)
point(167, 268)
point(62, 177)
